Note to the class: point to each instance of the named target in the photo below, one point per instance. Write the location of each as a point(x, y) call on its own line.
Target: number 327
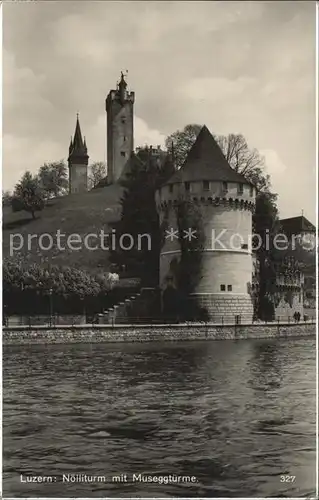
point(287, 479)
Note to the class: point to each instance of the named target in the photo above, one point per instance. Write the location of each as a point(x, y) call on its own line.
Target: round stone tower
point(223, 201)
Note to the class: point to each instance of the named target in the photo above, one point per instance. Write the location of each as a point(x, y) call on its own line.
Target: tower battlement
point(114, 95)
point(235, 195)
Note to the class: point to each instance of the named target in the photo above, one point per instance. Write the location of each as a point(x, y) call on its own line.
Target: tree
point(265, 226)
point(140, 217)
point(27, 287)
point(180, 142)
point(97, 173)
point(53, 179)
point(6, 198)
point(27, 195)
point(244, 160)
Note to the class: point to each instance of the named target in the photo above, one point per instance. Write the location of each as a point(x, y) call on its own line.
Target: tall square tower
point(119, 107)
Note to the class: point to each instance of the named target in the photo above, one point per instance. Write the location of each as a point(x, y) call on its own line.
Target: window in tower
point(123, 120)
point(229, 288)
point(240, 188)
point(222, 288)
point(123, 153)
point(124, 138)
point(206, 185)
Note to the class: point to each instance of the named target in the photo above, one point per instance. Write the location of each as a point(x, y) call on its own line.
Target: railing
point(44, 320)
point(55, 321)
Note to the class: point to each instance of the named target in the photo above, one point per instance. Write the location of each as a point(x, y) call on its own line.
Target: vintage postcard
point(159, 249)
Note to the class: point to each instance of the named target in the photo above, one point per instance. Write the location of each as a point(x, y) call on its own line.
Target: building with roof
point(224, 201)
point(298, 226)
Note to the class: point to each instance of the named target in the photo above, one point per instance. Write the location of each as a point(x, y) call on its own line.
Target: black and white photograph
point(159, 249)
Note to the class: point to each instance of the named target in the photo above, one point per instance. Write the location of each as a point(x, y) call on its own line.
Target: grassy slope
point(82, 214)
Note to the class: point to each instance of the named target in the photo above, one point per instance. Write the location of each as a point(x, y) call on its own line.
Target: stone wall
point(149, 333)
point(224, 307)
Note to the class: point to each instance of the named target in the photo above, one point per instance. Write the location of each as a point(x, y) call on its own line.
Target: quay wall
point(151, 333)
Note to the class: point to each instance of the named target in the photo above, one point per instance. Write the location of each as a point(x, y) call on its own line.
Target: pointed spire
point(78, 141)
point(77, 146)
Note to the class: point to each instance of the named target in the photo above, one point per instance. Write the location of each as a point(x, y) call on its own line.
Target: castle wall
point(78, 178)
point(120, 138)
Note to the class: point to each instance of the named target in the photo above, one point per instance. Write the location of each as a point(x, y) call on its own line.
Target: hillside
point(73, 214)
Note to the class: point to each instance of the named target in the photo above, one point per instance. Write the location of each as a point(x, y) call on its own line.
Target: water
point(236, 415)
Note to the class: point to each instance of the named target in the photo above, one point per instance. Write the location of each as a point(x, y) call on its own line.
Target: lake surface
point(237, 415)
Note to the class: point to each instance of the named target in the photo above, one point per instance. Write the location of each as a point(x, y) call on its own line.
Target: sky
point(237, 67)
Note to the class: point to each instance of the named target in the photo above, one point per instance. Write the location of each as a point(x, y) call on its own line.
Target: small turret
point(122, 88)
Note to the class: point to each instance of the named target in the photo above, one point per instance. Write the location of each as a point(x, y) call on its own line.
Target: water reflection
point(227, 412)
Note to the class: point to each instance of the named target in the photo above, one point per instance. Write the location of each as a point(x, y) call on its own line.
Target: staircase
point(142, 307)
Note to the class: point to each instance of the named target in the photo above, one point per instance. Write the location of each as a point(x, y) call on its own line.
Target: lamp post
point(5, 320)
point(82, 299)
point(51, 305)
point(24, 314)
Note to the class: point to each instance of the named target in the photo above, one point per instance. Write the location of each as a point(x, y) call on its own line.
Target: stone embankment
point(153, 333)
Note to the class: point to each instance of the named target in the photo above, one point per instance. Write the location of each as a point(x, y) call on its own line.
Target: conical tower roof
point(205, 161)
point(77, 146)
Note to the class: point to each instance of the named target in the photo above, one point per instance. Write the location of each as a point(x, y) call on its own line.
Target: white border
point(1, 152)
point(317, 287)
point(317, 199)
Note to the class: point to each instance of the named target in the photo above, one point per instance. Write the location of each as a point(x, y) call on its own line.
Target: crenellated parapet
point(235, 195)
